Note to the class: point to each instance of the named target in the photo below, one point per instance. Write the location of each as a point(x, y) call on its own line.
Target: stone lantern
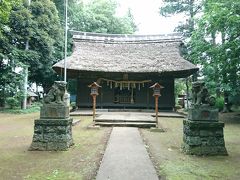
point(156, 89)
point(156, 93)
point(94, 93)
point(94, 89)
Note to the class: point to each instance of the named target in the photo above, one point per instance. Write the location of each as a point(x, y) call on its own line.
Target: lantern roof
point(157, 85)
point(94, 84)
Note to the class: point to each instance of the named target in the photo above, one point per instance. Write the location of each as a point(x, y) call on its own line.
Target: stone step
point(126, 124)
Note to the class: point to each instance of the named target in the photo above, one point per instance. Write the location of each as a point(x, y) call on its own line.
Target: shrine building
point(125, 66)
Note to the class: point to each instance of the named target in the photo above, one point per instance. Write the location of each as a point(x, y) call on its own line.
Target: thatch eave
point(154, 54)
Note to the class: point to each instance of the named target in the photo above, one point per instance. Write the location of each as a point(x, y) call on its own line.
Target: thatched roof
point(96, 52)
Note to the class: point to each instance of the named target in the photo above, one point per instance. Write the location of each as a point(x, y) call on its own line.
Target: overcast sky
point(146, 14)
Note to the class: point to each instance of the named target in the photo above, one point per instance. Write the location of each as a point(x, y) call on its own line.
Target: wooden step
point(124, 120)
point(126, 124)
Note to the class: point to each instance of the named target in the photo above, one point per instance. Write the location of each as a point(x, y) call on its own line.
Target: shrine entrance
point(124, 92)
point(124, 96)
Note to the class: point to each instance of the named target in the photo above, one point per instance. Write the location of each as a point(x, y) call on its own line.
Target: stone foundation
point(203, 138)
point(52, 135)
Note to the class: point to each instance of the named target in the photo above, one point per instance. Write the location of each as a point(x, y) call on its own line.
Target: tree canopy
point(31, 39)
point(214, 41)
point(97, 16)
point(32, 35)
point(190, 8)
point(215, 44)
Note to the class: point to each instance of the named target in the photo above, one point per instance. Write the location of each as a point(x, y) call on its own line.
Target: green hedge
point(220, 103)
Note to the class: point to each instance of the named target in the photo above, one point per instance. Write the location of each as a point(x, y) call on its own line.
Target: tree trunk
point(227, 105)
point(192, 14)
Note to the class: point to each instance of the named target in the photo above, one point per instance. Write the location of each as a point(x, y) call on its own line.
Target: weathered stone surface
point(192, 140)
point(203, 124)
point(39, 146)
point(38, 129)
point(202, 133)
point(54, 111)
point(219, 132)
point(53, 131)
point(53, 122)
point(38, 137)
point(52, 134)
point(187, 130)
point(204, 150)
point(57, 146)
point(203, 138)
point(203, 114)
point(57, 94)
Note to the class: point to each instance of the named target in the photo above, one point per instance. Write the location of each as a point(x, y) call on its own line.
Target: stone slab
point(170, 115)
point(54, 111)
point(127, 124)
point(160, 130)
point(125, 117)
point(126, 157)
point(203, 114)
point(88, 112)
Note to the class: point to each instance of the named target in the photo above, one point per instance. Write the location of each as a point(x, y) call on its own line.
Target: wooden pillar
point(94, 92)
point(147, 98)
point(156, 109)
point(101, 99)
point(94, 108)
point(78, 92)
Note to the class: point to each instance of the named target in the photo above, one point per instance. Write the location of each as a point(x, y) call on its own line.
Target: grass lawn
point(83, 159)
point(80, 162)
point(172, 164)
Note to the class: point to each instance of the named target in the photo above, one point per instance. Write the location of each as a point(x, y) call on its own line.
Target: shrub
point(220, 103)
point(12, 102)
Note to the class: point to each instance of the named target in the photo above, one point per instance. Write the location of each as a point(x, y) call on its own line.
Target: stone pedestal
point(54, 111)
point(203, 114)
point(53, 131)
point(203, 134)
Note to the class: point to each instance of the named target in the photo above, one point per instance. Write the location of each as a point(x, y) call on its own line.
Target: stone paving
point(126, 157)
point(88, 112)
point(126, 116)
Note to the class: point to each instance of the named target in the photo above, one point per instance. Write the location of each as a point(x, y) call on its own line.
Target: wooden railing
point(123, 100)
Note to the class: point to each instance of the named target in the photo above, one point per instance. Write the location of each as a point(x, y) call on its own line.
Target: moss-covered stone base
point(52, 134)
point(203, 138)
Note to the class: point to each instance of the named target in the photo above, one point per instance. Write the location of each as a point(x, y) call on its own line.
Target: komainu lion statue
point(56, 93)
point(200, 94)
